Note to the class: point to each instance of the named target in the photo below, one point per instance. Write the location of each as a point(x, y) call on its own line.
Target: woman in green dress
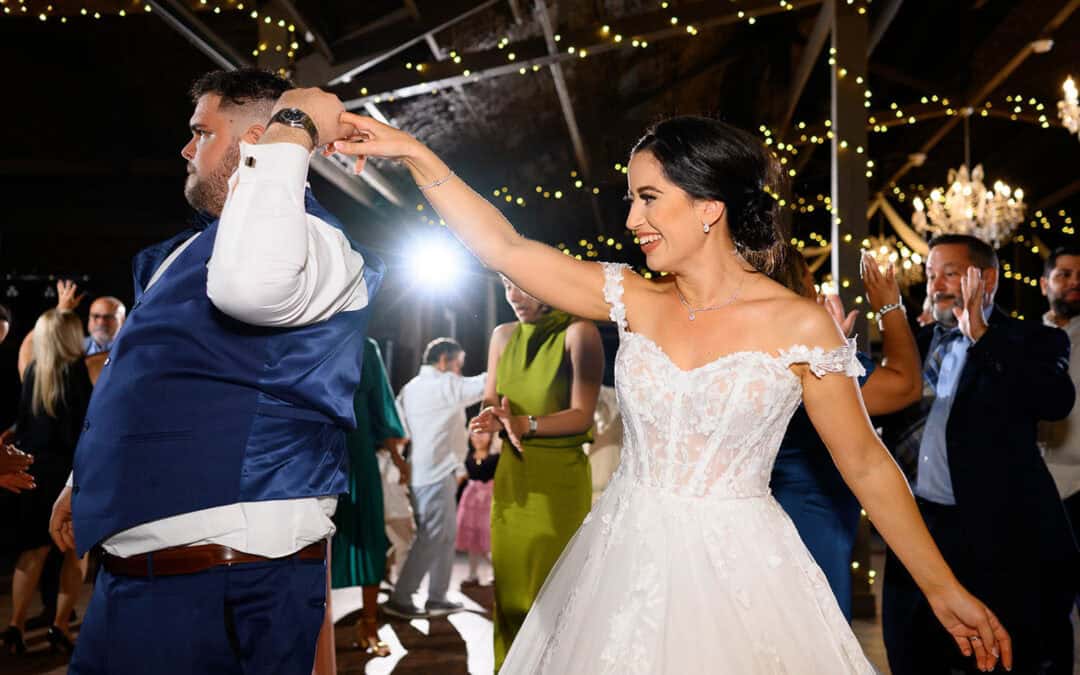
point(358, 552)
point(549, 366)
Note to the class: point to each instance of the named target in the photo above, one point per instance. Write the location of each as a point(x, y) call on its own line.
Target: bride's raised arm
point(542, 271)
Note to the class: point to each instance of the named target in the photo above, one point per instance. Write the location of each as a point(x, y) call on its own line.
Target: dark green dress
point(358, 554)
point(542, 495)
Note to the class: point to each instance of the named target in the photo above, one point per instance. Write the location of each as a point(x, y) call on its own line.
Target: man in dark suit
point(977, 474)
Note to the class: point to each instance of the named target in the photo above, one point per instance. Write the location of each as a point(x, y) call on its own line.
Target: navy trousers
point(247, 619)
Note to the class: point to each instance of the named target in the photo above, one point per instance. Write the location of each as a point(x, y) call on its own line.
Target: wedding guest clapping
point(980, 482)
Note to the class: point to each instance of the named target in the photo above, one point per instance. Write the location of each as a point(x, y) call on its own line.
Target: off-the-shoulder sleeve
point(843, 359)
point(613, 292)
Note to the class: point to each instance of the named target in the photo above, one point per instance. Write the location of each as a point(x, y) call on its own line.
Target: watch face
point(292, 115)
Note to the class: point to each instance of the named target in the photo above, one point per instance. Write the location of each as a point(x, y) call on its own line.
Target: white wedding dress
point(687, 565)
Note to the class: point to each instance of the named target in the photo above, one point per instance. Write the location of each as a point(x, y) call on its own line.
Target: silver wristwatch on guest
point(899, 304)
point(298, 119)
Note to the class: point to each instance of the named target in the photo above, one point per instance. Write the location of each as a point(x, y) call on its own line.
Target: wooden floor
point(456, 645)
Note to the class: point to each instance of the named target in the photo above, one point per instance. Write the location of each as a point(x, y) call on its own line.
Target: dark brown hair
point(709, 159)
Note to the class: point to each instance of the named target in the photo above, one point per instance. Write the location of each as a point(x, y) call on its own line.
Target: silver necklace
point(694, 310)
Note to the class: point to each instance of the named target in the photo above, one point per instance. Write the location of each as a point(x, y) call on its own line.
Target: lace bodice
point(713, 431)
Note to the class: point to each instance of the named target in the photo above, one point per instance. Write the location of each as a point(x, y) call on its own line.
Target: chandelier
point(967, 206)
point(907, 264)
point(1068, 108)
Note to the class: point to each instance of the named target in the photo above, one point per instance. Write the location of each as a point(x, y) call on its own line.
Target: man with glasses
point(106, 317)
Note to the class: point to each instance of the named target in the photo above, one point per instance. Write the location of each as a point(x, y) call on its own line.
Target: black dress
point(51, 440)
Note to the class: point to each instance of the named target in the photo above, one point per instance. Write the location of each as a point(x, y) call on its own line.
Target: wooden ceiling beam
point(482, 65)
point(811, 53)
point(981, 93)
point(347, 71)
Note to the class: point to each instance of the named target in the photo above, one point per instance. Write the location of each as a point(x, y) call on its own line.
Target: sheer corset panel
point(712, 431)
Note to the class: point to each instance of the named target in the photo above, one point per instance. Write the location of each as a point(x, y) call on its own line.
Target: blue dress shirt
point(91, 347)
point(932, 480)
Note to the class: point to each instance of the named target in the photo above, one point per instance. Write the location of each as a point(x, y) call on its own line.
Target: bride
point(687, 564)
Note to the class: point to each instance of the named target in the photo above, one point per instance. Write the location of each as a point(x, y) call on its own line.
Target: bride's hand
point(973, 626)
point(374, 139)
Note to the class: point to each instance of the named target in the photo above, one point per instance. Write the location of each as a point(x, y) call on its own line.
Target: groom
point(214, 449)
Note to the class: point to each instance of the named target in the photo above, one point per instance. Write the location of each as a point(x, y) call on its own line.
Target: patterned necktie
point(943, 338)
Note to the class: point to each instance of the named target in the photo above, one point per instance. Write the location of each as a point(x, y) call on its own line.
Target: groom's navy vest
point(195, 409)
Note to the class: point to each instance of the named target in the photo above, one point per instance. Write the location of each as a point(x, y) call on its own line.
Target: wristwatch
point(298, 119)
point(885, 310)
point(532, 427)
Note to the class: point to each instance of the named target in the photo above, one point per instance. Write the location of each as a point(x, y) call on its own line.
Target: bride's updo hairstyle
point(711, 160)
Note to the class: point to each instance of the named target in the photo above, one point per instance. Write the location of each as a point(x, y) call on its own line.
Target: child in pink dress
point(474, 508)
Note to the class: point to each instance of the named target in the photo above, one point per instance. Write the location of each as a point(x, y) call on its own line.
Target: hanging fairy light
point(1069, 108)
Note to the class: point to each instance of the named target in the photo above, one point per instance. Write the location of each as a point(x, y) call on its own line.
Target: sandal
point(367, 638)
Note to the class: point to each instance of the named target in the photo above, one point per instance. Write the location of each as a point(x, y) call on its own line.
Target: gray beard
point(944, 316)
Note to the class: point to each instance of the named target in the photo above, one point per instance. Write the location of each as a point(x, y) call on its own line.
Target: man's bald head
point(107, 314)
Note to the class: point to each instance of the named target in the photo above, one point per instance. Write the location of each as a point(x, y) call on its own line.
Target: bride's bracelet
point(885, 310)
point(436, 183)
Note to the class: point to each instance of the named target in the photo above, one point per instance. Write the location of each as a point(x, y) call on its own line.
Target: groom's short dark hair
point(241, 87)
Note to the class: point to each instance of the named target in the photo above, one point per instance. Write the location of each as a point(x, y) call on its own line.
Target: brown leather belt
point(194, 559)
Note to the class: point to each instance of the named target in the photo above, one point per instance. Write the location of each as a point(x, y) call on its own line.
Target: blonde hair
point(58, 341)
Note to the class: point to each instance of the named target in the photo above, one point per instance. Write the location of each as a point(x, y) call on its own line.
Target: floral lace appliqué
point(843, 359)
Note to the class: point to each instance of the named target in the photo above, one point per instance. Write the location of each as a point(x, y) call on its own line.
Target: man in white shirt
point(213, 450)
point(433, 405)
point(1060, 441)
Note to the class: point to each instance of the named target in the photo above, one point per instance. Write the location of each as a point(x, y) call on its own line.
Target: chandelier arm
point(967, 141)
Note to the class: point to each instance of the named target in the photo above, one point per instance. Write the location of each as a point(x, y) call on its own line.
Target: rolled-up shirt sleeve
point(273, 263)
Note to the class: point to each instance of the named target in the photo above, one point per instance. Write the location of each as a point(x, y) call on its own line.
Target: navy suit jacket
point(1015, 376)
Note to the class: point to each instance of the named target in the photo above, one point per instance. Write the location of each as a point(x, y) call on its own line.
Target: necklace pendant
point(691, 316)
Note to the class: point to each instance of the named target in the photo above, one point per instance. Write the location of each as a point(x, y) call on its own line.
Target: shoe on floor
point(403, 611)
point(46, 618)
point(442, 607)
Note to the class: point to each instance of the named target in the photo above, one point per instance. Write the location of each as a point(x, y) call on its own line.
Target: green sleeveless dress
point(542, 495)
point(358, 552)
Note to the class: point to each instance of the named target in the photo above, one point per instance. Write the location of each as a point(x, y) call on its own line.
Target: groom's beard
point(206, 194)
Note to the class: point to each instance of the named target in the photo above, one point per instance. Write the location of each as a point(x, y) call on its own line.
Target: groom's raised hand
point(322, 107)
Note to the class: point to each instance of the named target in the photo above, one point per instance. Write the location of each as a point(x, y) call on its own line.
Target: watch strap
point(297, 119)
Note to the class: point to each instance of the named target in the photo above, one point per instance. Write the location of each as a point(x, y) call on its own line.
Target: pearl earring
point(705, 226)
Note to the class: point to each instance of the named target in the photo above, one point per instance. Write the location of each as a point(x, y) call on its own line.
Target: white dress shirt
point(1060, 441)
point(273, 265)
point(433, 405)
